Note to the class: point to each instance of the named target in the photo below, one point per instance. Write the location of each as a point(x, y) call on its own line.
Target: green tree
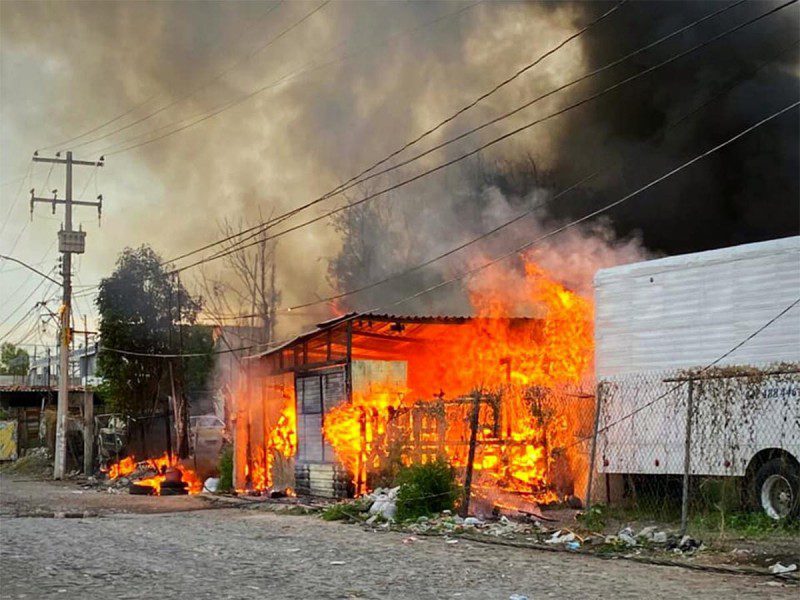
point(13, 360)
point(145, 312)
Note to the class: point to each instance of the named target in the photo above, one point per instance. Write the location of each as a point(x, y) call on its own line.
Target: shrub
point(225, 470)
point(426, 489)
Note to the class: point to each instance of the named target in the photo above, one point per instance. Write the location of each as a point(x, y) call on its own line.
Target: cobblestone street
point(230, 553)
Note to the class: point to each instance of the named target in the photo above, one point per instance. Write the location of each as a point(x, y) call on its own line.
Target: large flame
point(519, 363)
point(281, 442)
point(519, 368)
point(356, 429)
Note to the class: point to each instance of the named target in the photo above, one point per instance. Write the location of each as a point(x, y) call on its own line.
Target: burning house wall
point(264, 427)
point(409, 383)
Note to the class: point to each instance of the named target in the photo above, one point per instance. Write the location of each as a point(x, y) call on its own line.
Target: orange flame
point(128, 465)
point(521, 362)
point(281, 441)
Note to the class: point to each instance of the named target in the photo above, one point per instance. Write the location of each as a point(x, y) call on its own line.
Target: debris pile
point(652, 537)
point(36, 463)
point(163, 476)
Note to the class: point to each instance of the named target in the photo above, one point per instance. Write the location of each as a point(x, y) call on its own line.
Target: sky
point(208, 112)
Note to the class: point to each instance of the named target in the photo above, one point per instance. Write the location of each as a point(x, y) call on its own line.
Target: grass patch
point(749, 524)
point(426, 489)
point(343, 511)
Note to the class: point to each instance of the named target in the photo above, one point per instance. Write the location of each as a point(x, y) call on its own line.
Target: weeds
point(750, 524)
point(593, 519)
point(426, 489)
point(343, 511)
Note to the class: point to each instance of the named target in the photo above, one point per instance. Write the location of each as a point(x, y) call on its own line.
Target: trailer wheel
point(777, 488)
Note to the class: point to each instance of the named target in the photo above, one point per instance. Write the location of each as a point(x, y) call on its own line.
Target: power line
point(480, 148)
point(212, 80)
point(488, 93)
point(700, 372)
point(17, 196)
point(24, 282)
point(344, 187)
point(27, 314)
point(521, 248)
point(204, 116)
point(592, 214)
point(359, 180)
point(140, 104)
point(41, 282)
point(460, 111)
point(736, 81)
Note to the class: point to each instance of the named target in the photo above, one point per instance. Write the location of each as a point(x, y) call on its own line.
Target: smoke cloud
point(362, 78)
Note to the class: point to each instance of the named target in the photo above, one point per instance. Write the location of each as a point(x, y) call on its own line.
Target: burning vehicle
point(336, 410)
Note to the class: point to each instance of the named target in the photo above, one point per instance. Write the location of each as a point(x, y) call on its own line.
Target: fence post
point(593, 454)
point(473, 436)
point(687, 458)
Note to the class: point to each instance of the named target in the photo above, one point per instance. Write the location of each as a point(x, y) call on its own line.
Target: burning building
point(335, 411)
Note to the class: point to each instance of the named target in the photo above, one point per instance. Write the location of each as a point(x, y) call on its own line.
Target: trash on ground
point(780, 569)
point(562, 536)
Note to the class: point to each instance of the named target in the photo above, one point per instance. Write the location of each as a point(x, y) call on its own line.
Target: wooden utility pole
point(69, 242)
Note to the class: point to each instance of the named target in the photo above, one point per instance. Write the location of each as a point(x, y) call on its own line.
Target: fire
point(283, 437)
point(281, 443)
point(124, 467)
point(524, 373)
point(129, 465)
point(356, 429)
point(520, 365)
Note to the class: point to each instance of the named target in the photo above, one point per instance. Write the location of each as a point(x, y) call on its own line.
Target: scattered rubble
point(627, 536)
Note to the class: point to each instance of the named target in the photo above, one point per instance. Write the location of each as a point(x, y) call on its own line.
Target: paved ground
point(230, 553)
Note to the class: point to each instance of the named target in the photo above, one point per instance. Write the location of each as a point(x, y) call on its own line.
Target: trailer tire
point(776, 488)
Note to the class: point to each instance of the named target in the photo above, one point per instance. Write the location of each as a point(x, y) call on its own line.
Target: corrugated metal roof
point(381, 317)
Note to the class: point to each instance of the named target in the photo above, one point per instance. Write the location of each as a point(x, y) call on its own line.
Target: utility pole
point(69, 242)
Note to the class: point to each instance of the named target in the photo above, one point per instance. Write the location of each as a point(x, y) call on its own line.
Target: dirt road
point(230, 553)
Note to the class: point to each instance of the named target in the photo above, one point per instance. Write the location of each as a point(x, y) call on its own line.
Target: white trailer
point(659, 323)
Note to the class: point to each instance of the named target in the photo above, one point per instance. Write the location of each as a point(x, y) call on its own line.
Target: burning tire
point(141, 490)
point(776, 488)
point(174, 488)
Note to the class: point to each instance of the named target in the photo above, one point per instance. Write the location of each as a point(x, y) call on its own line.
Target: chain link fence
point(695, 447)
point(512, 448)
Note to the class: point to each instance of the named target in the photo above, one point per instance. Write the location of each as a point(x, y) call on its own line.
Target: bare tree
point(241, 300)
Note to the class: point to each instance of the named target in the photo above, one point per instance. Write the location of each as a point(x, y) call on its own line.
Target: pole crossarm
point(61, 201)
point(63, 161)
